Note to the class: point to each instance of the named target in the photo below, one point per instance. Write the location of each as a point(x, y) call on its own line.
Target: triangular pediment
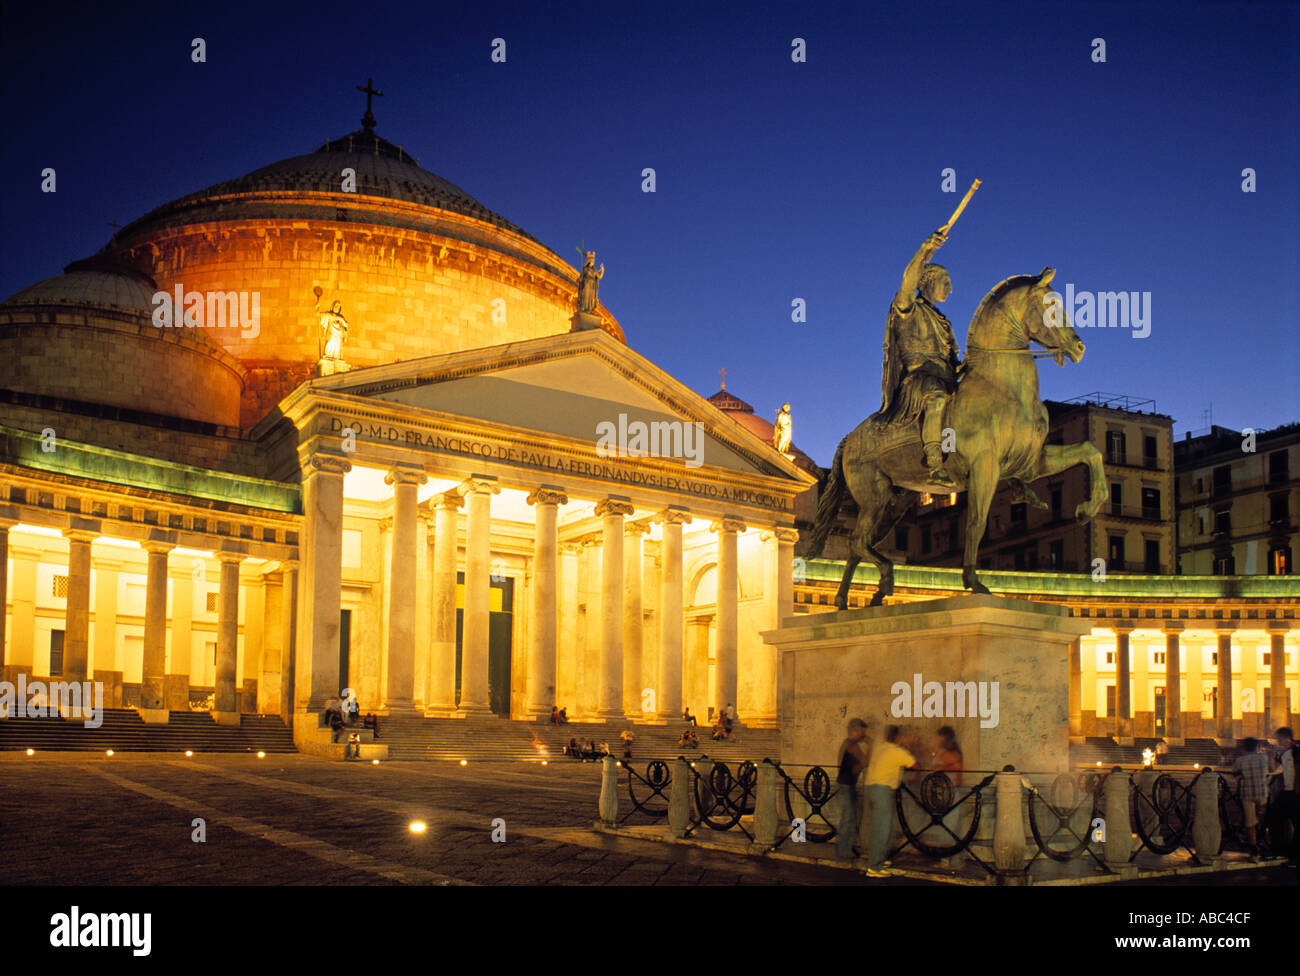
point(586, 386)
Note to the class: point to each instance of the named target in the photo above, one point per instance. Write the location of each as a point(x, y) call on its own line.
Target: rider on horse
point(920, 368)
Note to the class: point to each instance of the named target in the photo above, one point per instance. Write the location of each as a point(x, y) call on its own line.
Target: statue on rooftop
point(588, 283)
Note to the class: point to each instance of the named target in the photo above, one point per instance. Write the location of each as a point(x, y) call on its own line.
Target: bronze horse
point(998, 426)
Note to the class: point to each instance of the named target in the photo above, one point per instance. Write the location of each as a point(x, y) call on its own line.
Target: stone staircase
point(1109, 753)
point(449, 739)
point(124, 731)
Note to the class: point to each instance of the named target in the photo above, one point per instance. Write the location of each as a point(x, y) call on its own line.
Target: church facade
point(389, 455)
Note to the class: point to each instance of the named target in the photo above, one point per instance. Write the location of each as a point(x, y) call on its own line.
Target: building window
point(56, 653)
point(212, 649)
point(1056, 501)
point(1279, 509)
point(1152, 562)
point(1056, 554)
point(1158, 658)
point(900, 538)
point(1225, 566)
point(1149, 454)
point(1110, 700)
point(59, 588)
point(1110, 659)
point(1151, 503)
point(212, 602)
point(1279, 561)
point(1115, 450)
point(1268, 700)
point(1018, 514)
point(1222, 481)
point(1116, 499)
point(925, 538)
point(1116, 559)
point(926, 498)
point(1277, 467)
point(1222, 522)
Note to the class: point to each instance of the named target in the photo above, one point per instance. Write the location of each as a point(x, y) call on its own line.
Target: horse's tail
point(828, 504)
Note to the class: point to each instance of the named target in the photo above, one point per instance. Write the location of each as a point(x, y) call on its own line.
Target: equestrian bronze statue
point(946, 425)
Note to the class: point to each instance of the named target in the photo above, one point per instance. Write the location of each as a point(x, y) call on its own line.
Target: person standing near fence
point(1252, 766)
point(947, 760)
point(852, 759)
point(1288, 801)
point(884, 773)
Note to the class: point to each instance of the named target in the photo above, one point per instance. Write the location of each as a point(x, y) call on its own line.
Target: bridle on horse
point(1025, 350)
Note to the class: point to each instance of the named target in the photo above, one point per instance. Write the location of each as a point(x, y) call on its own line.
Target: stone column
point(176, 684)
point(153, 672)
point(633, 553)
point(320, 584)
point(400, 692)
point(225, 705)
point(441, 699)
point(22, 642)
point(474, 692)
point(107, 668)
point(1277, 711)
point(1123, 683)
point(589, 641)
point(568, 652)
point(672, 625)
point(728, 652)
point(610, 690)
point(4, 596)
point(1223, 724)
point(254, 584)
point(545, 601)
point(609, 627)
point(423, 603)
point(271, 678)
point(289, 620)
point(76, 633)
point(1076, 687)
point(1173, 683)
point(778, 603)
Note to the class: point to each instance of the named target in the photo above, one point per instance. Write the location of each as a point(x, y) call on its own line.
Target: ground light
point(374, 762)
point(418, 826)
point(189, 752)
point(109, 752)
point(464, 762)
point(31, 752)
point(261, 755)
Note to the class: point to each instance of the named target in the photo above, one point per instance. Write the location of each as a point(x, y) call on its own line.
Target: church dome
point(86, 338)
point(86, 288)
point(420, 267)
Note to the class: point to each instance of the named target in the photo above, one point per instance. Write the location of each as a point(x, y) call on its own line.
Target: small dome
point(95, 288)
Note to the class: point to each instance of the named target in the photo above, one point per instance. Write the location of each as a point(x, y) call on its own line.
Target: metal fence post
point(679, 802)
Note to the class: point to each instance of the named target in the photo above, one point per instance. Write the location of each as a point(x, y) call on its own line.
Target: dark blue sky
point(776, 180)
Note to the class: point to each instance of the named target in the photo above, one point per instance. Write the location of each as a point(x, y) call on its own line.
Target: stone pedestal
point(950, 654)
point(585, 320)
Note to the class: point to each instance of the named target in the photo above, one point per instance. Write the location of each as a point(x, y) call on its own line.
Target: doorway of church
point(501, 610)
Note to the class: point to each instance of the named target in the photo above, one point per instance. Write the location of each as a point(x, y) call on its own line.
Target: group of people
point(1256, 764)
point(341, 713)
point(724, 724)
point(586, 750)
point(559, 716)
point(688, 739)
point(885, 762)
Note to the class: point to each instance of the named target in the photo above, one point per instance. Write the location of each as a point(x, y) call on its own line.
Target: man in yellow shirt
point(884, 773)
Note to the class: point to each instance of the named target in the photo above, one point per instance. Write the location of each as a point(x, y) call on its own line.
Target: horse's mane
point(996, 293)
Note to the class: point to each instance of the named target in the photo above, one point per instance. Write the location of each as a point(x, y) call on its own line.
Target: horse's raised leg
point(1059, 457)
point(850, 564)
point(980, 485)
